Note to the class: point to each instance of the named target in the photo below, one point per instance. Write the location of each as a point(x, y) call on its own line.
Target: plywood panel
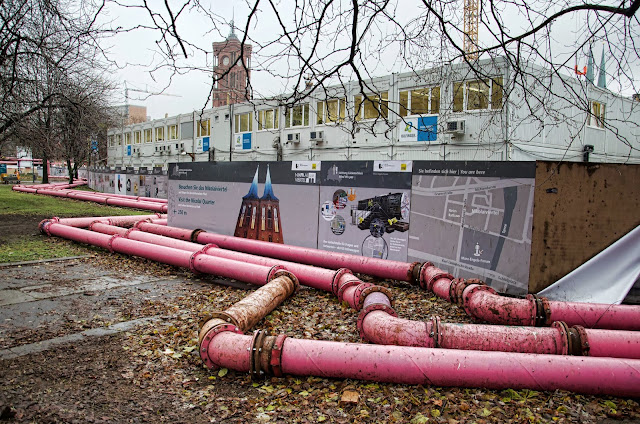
point(579, 210)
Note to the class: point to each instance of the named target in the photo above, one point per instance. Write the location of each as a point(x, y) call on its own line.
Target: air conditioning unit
point(317, 136)
point(455, 127)
point(294, 137)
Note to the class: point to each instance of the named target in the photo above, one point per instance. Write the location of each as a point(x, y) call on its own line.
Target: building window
point(243, 122)
point(420, 101)
point(268, 119)
point(110, 140)
point(226, 117)
point(173, 132)
point(147, 135)
point(216, 118)
point(160, 134)
point(596, 114)
point(478, 95)
point(137, 137)
point(333, 110)
point(118, 139)
point(372, 106)
point(296, 116)
point(127, 138)
point(204, 128)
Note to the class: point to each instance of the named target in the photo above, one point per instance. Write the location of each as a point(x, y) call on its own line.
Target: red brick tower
point(270, 228)
point(248, 219)
point(231, 57)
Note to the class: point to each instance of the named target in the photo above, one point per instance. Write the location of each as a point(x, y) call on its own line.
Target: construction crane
point(471, 29)
point(127, 89)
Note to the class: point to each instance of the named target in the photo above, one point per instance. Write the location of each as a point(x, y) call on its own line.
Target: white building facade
point(446, 113)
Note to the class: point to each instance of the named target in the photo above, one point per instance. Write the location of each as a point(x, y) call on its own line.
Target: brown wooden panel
point(579, 210)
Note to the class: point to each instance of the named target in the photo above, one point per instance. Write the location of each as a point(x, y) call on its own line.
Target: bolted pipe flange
point(44, 225)
point(413, 274)
point(421, 272)
point(204, 345)
point(453, 294)
point(110, 243)
point(192, 261)
point(126, 234)
point(209, 246)
point(350, 283)
point(219, 315)
point(542, 313)
point(272, 272)
point(336, 279)
point(195, 233)
point(257, 345)
point(583, 340)
point(435, 332)
point(373, 307)
point(567, 342)
point(362, 293)
point(356, 294)
point(275, 360)
point(462, 285)
point(290, 276)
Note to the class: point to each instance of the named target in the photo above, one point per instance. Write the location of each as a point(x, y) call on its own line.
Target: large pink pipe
point(482, 302)
point(332, 260)
point(125, 196)
point(382, 328)
point(124, 220)
point(250, 273)
point(436, 367)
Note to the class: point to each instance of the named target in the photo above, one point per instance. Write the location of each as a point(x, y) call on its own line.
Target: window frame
point(161, 131)
point(409, 110)
point(323, 117)
point(240, 127)
point(596, 119)
point(495, 86)
point(174, 135)
point(376, 101)
point(268, 124)
point(304, 116)
point(137, 137)
point(148, 132)
point(118, 139)
point(127, 138)
point(202, 130)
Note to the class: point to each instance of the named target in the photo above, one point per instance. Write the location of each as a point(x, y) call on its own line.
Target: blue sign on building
point(129, 150)
point(205, 144)
point(428, 128)
point(246, 141)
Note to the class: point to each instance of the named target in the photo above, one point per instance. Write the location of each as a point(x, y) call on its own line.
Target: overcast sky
point(140, 65)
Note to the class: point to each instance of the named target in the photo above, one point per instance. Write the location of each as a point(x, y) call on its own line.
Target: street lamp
point(193, 155)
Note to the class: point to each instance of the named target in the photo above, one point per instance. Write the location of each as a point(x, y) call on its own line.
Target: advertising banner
point(146, 181)
point(120, 182)
point(474, 220)
point(267, 201)
point(159, 182)
point(364, 208)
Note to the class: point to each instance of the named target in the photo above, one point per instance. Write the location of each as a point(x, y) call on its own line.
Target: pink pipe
point(437, 367)
point(124, 220)
point(380, 327)
point(332, 260)
point(126, 196)
point(250, 273)
point(482, 302)
point(159, 221)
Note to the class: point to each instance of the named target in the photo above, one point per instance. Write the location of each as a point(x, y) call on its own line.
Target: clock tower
point(231, 71)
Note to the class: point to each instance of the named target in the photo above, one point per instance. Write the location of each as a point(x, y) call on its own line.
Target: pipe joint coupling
point(458, 286)
point(111, 240)
point(365, 311)
point(362, 292)
point(44, 225)
point(542, 310)
point(287, 274)
point(435, 332)
point(336, 279)
point(195, 233)
point(413, 274)
point(129, 231)
point(349, 283)
point(206, 341)
point(421, 271)
point(275, 359)
point(258, 348)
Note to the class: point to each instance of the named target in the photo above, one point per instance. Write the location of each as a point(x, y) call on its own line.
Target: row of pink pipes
point(123, 200)
point(415, 362)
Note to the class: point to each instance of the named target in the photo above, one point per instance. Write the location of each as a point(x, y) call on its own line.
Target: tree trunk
point(70, 171)
point(45, 169)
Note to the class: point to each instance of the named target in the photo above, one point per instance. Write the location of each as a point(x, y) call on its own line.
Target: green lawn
point(20, 214)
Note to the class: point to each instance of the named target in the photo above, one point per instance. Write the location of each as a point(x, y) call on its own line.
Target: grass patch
point(38, 247)
point(18, 203)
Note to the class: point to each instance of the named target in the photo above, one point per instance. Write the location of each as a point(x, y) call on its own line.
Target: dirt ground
point(113, 339)
point(15, 226)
